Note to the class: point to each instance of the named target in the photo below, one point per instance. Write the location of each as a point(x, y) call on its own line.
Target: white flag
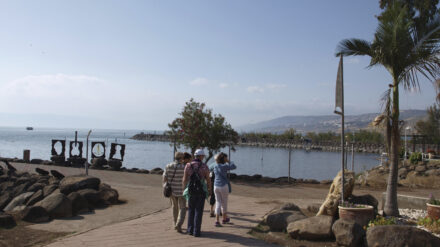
point(339, 90)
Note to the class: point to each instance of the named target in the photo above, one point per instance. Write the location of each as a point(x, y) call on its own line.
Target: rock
point(36, 197)
point(36, 161)
point(330, 205)
point(34, 214)
point(92, 196)
point(79, 203)
point(6, 221)
point(313, 208)
point(41, 172)
point(280, 219)
point(156, 170)
point(433, 172)
point(289, 206)
point(348, 233)
point(48, 189)
point(54, 180)
point(35, 187)
point(364, 199)
point(24, 180)
point(57, 205)
point(99, 162)
point(313, 228)
point(10, 167)
point(107, 194)
point(326, 181)
point(57, 174)
point(402, 173)
point(114, 164)
point(420, 168)
point(399, 235)
point(18, 201)
point(74, 183)
point(7, 186)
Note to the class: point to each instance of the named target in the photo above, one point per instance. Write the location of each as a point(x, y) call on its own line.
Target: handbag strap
point(174, 173)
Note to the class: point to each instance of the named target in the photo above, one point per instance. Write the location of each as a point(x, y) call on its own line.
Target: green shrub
point(382, 221)
point(430, 224)
point(415, 157)
point(433, 201)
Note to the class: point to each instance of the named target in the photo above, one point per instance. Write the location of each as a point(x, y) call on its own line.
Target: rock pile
point(423, 174)
point(41, 197)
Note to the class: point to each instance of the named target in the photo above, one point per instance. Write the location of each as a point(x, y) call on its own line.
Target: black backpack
point(195, 187)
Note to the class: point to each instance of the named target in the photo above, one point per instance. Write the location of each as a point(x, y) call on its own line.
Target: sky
point(133, 64)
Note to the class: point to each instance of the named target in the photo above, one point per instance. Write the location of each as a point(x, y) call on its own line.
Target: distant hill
point(325, 123)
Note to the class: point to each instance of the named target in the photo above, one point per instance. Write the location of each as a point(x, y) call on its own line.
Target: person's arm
point(208, 182)
point(185, 178)
point(231, 165)
point(165, 176)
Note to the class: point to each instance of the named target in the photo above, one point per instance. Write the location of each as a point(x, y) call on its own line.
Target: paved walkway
point(156, 229)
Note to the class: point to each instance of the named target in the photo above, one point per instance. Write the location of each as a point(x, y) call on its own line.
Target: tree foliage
point(406, 47)
point(198, 127)
point(430, 127)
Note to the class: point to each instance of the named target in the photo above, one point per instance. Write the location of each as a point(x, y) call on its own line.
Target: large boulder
point(57, 205)
point(48, 189)
point(41, 171)
point(79, 203)
point(36, 197)
point(107, 194)
point(20, 188)
point(348, 233)
point(313, 228)
point(34, 214)
point(279, 220)
point(157, 171)
point(6, 186)
point(19, 200)
point(5, 199)
point(398, 235)
point(330, 205)
point(57, 174)
point(74, 183)
point(92, 197)
point(6, 221)
point(35, 187)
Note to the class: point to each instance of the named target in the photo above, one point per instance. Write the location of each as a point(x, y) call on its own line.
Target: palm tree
point(406, 52)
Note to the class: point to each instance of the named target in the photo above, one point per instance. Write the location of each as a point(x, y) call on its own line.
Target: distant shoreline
point(329, 147)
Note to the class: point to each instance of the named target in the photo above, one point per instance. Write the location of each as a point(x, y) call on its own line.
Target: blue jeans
point(195, 213)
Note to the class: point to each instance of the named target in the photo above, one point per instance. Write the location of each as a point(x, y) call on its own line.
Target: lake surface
point(271, 162)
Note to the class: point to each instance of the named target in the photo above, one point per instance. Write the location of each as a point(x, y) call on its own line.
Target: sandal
point(217, 224)
point(226, 221)
point(212, 215)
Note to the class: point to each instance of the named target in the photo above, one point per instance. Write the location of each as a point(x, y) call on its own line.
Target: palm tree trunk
point(391, 208)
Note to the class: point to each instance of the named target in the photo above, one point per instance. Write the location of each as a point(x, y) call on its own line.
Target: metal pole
point(87, 153)
point(406, 146)
point(290, 155)
point(342, 133)
point(352, 156)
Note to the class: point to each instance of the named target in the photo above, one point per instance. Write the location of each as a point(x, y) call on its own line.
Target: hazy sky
point(133, 64)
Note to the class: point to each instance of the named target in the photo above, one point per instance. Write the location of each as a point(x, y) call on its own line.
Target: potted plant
point(359, 213)
point(433, 207)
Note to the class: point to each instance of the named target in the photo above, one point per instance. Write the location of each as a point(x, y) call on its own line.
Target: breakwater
point(306, 145)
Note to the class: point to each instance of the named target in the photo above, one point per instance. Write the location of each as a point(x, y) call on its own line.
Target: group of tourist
point(192, 182)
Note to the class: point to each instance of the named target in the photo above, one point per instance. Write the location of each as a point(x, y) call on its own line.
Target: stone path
point(156, 229)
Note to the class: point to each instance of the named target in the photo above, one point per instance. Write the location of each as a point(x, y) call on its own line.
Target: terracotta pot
point(360, 215)
point(433, 211)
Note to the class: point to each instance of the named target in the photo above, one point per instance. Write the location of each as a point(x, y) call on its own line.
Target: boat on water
point(29, 128)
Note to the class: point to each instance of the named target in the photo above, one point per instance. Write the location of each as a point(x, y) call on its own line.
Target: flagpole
point(340, 104)
point(342, 131)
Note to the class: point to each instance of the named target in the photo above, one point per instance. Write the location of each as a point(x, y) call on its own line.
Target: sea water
point(270, 162)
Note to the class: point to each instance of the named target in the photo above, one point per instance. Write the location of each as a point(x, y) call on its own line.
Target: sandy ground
point(142, 194)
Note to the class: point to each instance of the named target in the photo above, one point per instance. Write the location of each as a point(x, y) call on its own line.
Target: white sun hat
point(199, 152)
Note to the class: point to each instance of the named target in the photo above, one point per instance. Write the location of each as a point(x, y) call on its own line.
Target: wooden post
point(27, 155)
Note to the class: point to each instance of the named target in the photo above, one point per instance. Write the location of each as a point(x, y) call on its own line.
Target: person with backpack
point(196, 182)
point(173, 175)
point(222, 186)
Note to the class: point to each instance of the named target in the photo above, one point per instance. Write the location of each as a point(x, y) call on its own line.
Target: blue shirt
point(221, 173)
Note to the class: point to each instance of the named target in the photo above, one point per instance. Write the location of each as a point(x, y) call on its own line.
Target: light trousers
point(221, 197)
point(179, 210)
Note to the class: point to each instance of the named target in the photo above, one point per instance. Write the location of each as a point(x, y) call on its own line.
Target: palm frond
point(354, 47)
